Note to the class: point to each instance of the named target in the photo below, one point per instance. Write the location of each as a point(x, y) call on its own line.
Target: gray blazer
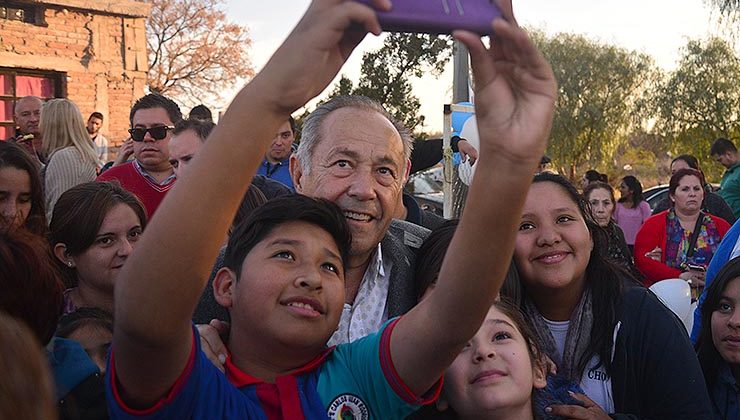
point(401, 244)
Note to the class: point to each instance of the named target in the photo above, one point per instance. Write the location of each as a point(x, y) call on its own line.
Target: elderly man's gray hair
point(310, 134)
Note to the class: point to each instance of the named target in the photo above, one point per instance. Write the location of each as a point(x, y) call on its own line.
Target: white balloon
point(676, 295)
point(469, 132)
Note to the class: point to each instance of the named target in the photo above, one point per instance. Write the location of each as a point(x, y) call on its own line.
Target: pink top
point(630, 220)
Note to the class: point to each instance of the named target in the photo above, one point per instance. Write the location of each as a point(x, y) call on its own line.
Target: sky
point(658, 28)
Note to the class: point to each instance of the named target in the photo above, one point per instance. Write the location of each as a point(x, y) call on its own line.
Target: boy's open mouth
point(305, 306)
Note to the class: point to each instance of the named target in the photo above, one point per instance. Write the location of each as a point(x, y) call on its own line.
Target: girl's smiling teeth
point(552, 257)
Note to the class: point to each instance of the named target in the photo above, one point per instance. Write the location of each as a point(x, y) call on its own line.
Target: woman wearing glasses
point(71, 157)
point(149, 175)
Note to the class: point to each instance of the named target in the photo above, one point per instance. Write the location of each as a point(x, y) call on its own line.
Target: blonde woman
point(71, 156)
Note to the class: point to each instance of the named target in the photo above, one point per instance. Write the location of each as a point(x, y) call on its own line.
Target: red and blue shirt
point(350, 381)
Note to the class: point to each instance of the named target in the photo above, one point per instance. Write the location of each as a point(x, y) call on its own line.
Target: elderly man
point(26, 116)
point(353, 153)
point(149, 176)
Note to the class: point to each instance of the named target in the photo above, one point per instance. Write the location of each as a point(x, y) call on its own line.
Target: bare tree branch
point(194, 51)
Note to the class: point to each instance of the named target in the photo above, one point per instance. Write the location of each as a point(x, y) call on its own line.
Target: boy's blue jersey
point(351, 381)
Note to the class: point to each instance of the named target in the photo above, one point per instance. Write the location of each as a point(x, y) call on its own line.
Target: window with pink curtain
point(14, 86)
point(42, 87)
point(6, 85)
point(6, 110)
point(6, 117)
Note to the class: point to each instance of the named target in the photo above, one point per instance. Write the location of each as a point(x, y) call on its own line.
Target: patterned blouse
point(677, 243)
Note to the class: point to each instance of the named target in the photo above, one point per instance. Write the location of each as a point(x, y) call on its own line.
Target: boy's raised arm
point(515, 92)
point(161, 282)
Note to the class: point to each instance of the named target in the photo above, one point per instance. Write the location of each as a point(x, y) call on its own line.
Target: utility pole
point(461, 74)
point(454, 190)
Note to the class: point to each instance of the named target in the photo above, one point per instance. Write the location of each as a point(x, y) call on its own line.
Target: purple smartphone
point(438, 16)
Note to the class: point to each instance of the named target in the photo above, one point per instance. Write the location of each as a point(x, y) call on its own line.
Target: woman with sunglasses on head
point(149, 175)
point(71, 157)
point(21, 193)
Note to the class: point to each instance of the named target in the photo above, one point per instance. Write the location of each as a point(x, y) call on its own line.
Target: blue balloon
point(459, 118)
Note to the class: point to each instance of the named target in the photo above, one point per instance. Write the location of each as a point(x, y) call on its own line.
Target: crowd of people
point(208, 273)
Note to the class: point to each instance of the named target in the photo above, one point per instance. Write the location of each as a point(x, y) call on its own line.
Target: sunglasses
point(157, 133)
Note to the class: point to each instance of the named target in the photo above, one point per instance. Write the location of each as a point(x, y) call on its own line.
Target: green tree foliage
point(700, 100)
point(599, 86)
point(386, 73)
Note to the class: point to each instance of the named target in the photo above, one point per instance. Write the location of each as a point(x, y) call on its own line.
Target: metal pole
point(449, 173)
point(447, 159)
point(461, 75)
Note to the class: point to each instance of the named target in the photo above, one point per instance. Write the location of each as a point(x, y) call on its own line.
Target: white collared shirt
point(368, 312)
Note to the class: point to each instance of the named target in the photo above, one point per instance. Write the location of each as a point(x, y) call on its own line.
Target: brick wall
point(101, 46)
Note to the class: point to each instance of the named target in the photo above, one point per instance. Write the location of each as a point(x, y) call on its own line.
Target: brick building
point(92, 52)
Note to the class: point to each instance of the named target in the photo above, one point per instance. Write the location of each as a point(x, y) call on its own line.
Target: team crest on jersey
point(348, 407)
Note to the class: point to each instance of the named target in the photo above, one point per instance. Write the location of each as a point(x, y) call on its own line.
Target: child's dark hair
point(72, 321)
point(709, 358)
point(432, 252)
point(277, 211)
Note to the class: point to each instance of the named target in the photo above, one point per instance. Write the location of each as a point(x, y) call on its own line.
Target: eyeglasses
point(158, 133)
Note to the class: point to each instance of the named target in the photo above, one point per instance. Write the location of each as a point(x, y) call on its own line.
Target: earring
point(69, 264)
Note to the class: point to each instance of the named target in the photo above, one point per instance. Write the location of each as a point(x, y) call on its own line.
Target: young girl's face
point(726, 323)
point(494, 372)
point(553, 245)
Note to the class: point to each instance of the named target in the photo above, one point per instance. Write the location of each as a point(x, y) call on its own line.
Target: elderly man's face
point(28, 114)
point(359, 164)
